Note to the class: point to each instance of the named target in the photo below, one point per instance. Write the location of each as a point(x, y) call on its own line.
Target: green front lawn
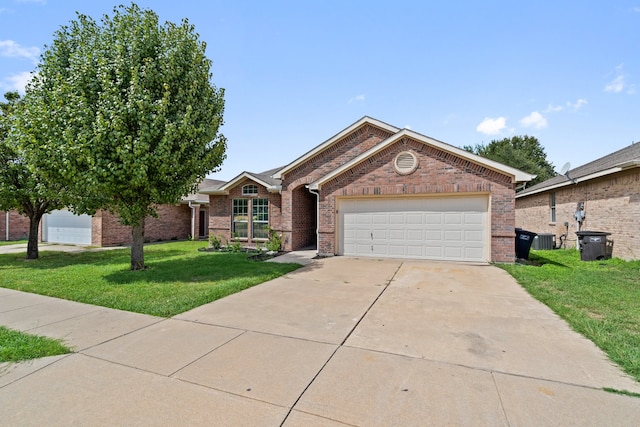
point(16, 346)
point(11, 242)
point(178, 277)
point(599, 299)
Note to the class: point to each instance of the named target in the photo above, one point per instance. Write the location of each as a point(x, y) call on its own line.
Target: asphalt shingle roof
point(625, 155)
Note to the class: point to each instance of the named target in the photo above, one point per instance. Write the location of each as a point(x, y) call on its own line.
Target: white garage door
point(64, 227)
point(442, 228)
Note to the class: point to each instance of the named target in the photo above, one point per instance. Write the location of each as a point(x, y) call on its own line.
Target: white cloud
point(568, 105)
point(619, 82)
point(535, 120)
point(11, 49)
point(491, 126)
point(16, 82)
point(578, 104)
point(616, 85)
point(357, 98)
point(553, 108)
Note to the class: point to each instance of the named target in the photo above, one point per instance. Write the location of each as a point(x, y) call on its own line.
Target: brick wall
point(173, 223)
point(221, 208)
point(303, 221)
point(438, 173)
point(612, 204)
point(301, 210)
point(18, 225)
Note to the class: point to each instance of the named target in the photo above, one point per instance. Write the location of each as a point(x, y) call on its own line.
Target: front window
point(249, 190)
point(240, 218)
point(552, 205)
point(260, 218)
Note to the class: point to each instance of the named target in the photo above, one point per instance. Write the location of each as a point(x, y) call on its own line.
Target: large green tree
point(131, 112)
point(22, 184)
point(521, 152)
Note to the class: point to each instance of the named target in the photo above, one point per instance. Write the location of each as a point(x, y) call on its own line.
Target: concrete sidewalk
point(339, 342)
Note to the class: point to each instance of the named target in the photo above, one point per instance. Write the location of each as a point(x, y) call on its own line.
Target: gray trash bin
point(593, 245)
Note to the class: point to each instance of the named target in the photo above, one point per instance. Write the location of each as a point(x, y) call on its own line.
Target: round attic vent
point(405, 163)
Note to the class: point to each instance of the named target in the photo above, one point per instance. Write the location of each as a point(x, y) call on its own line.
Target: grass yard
point(178, 277)
point(16, 346)
point(599, 299)
point(12, 242)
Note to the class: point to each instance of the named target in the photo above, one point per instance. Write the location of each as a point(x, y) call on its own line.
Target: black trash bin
point(524, 239)
point(593, 245)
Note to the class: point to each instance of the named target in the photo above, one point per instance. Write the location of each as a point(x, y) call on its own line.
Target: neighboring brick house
point(189, 218)
point(608, 188)
point(13, 226)
point(377, 190)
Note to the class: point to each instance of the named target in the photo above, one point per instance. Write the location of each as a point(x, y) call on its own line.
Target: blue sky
point(463, 72)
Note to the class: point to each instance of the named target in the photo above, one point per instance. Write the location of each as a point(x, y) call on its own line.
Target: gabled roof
point(265, 179)
point(329, 142)
point(626, 158)
point(517, 175)
point(200, 196)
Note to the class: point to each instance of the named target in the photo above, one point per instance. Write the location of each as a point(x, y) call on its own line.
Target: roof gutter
point(606, 172)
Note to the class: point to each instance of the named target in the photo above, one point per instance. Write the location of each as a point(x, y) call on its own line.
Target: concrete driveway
point(342, 341)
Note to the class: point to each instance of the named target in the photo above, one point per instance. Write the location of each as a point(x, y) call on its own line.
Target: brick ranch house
point(376, 190)
point(608, 188)
point(174, 222)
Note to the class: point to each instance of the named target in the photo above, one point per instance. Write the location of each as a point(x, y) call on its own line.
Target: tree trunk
point(137, 248)
point(32, 245)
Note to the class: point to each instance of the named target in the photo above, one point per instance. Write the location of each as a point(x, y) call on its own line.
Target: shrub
point(274, 243)
point(215, 242)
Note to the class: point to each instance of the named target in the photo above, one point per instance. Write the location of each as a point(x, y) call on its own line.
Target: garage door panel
point(448, 228)
point(473, 236)
point(473, 218)
point(396, 219)
point(433, 236)
point(380, 235)
point(415, 251)
point(414, 234)
point(453, 252)
point(397, 250)
point(363, 219)
point(414, 218)
point(379, 219)
point(473, 252)
point(453, 218)
point(396, 235)
point(453, 236)
point(433, 218)
point(362, 234)
point(379, 249)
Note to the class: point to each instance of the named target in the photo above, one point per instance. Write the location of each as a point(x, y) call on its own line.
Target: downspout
point(316, 192)
point(193, 219)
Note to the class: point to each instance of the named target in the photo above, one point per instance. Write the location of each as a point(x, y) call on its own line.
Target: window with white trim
point(249, 190)
point(240, 218)
point(260, 218)
point(552, 205)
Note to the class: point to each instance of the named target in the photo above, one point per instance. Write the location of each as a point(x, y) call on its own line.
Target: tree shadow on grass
point(538, 259)
point(208, 268)
point(50, 260)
